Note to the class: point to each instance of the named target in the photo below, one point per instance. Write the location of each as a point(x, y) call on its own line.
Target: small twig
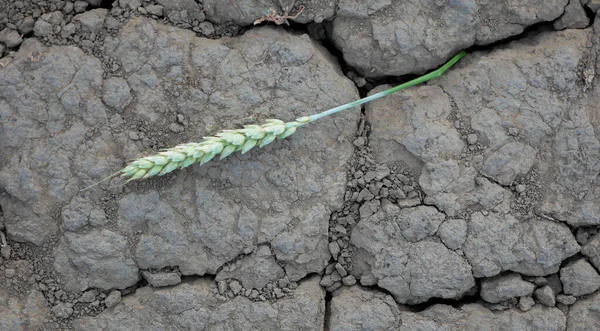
point(272, 16)
point(548, 217)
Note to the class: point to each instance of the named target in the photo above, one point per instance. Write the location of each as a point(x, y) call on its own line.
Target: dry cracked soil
point(471, 202)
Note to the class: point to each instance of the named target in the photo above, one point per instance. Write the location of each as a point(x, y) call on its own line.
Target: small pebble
point(235, 287)
point(340, 229)
point(80, 6)
point(68, 8)
point(113, 298)
point(335, 276)
point(340, 269)
point(27, 25)
point(349, 280)
point(359, 142)
point(334, 287)
point(566, 299)
point(88, 296)
point(545, 296)
point(62, 310)
point(540, 281)
point(10, 273)
point(278, 293)
point(283, 283)
point(408, 188)
point(222, 286)
point(326, 281)
point(206, 28)
point(10, 38)
point(405, 180)
point(526, 303)
point(472, 139)
point(360, 81)
point(334, 249)
point(174, 127)
point(329, 269)
point(253, 294)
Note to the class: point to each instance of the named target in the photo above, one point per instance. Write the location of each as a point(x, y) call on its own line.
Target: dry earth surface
point(469, 203)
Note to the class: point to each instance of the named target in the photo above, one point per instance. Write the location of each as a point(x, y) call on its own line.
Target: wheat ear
point(222, 144)
point(243, 140)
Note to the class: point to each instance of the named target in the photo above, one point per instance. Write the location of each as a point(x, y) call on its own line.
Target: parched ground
point(471, 202)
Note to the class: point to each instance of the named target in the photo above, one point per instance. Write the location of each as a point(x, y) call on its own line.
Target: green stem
point(434, 74)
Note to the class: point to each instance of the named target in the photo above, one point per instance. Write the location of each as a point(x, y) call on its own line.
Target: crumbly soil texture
point(470, 202)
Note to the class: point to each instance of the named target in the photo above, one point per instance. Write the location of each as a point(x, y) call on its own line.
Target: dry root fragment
point(272, 16)
point(35, 56)
point(3, 64)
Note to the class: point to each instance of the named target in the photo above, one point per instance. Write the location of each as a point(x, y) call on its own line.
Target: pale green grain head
point(222, 144)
